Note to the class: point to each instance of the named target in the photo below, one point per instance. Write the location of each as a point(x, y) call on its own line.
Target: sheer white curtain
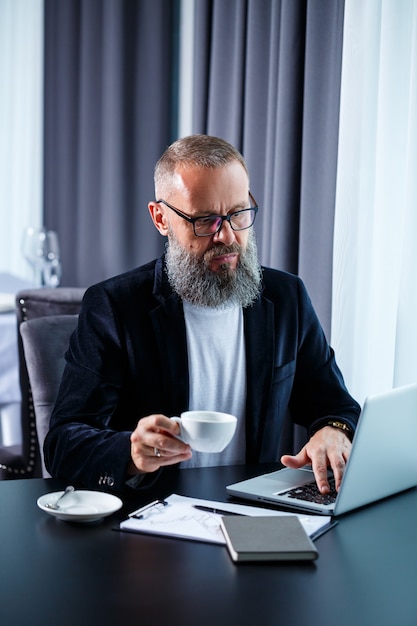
point(21, 72)
point(374, 325)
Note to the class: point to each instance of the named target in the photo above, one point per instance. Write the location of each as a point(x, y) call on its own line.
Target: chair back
point(45, 341)
point(24, 460)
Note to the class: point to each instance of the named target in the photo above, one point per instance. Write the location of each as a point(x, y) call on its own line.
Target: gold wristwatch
point(341, 426)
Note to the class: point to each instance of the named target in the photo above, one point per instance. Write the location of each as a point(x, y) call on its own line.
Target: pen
point(138, 514)
point(210, 509)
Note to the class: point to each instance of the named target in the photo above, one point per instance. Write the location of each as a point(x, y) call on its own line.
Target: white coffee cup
point(206, 431)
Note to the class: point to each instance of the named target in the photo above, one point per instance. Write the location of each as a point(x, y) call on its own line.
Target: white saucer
point(81, 506)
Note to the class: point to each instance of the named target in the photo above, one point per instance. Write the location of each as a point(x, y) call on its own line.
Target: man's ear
point(158, 217)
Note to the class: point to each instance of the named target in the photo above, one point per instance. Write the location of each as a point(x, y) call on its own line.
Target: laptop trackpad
point(288, 478)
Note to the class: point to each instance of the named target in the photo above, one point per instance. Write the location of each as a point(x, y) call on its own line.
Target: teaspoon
point(55, 505)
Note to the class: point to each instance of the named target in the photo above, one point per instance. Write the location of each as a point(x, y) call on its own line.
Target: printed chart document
point(177, 516)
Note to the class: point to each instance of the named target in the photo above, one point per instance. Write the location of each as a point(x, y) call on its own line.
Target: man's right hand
point(154, 444)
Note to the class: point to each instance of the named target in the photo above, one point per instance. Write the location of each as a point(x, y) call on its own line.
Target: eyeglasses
point(209, 225)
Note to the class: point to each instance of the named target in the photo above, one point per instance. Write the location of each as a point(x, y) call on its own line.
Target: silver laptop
point(383, 462)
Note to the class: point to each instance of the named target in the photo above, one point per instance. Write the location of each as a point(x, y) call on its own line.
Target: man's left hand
point(328, 447)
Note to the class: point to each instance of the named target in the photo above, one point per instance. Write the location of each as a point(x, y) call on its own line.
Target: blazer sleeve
point(81, 445)
point(319, 391)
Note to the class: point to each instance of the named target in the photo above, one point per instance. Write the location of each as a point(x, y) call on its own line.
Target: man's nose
point(226, 234)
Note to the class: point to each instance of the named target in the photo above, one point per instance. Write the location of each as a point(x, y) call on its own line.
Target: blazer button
point(110, 481)
point(106, 479)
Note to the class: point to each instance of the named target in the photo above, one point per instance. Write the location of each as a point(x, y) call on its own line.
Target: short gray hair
point(195, 150)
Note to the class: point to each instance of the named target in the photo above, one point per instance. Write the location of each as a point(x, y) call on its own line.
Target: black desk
point(55, 573)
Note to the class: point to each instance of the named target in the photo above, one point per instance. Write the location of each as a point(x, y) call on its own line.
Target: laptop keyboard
point(310, 493)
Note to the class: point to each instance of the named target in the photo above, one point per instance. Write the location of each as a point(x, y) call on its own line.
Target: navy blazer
point(128, 359)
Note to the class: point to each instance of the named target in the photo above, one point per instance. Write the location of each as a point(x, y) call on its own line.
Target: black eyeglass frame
point(223, 218)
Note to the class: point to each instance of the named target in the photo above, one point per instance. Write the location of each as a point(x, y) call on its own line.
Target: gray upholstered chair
point(45, 341)
point(23, 460)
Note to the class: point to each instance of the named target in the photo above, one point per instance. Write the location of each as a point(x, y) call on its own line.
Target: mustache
point(220, 249)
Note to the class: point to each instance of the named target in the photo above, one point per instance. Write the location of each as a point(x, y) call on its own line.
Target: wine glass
point(32, 249)
point(51, 271)
point(41, 250)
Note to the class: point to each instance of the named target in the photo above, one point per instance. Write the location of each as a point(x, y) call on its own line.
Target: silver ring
point(156, 452)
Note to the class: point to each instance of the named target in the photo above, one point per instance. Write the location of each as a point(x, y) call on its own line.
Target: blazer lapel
point(168, 321)
point(259, 338)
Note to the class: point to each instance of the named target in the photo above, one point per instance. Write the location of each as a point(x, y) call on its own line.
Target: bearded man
point(204, 327)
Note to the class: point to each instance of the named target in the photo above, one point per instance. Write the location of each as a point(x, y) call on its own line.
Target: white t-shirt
point(217, 371)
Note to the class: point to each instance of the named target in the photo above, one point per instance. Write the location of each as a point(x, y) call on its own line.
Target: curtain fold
point(110, 90)
point(267, 78)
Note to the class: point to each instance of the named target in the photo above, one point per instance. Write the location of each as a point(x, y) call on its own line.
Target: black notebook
point(267, 539)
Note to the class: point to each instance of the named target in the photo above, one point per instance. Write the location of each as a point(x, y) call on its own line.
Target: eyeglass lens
point(211, 224)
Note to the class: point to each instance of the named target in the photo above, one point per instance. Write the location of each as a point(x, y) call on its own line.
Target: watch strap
point(335, 423)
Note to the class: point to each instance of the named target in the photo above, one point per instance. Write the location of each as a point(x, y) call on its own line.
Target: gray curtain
point(267, 78)
point(110, 111)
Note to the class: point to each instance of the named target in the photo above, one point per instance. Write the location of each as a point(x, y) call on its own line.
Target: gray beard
point(194, 282)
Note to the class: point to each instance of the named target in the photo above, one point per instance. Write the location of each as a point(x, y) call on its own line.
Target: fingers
point(319, 465)
point(153, 444)
point(331, 448)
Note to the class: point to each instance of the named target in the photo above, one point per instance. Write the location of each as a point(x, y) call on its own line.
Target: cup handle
point(181, 435)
